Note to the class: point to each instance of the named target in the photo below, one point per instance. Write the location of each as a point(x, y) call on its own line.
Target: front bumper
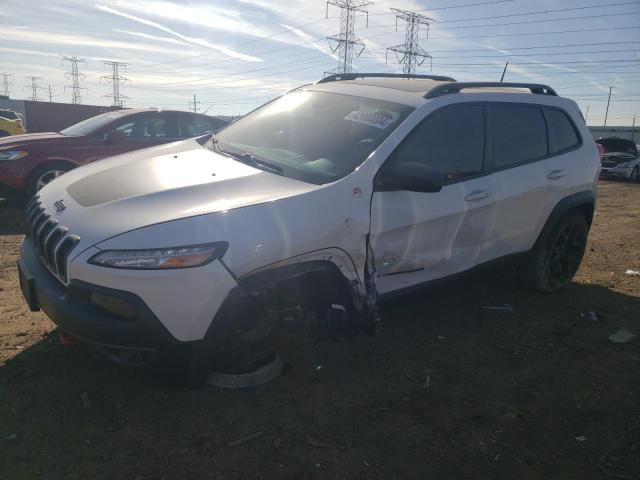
point(140, 339)
point(616, 172)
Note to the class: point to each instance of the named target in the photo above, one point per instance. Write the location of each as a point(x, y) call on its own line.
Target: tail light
point(19, 122)
point(600, 151)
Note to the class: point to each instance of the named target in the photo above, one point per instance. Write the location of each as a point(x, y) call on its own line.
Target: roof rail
point(535, 88)
point(352, 76)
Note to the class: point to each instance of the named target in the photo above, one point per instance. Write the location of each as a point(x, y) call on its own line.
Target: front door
point(418, 237)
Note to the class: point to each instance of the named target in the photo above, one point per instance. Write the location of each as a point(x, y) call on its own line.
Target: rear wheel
point(635, 175)
point(45, 174)
point(4, 133)
point(555, 259)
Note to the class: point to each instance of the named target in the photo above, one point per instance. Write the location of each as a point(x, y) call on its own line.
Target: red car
point(28, 162)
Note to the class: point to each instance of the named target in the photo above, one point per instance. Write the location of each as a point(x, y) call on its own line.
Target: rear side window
point(518, 134)
point(561, 130)
point(450, 140)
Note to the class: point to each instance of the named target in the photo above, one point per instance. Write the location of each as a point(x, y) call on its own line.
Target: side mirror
point(416, 177)
point(114, 136)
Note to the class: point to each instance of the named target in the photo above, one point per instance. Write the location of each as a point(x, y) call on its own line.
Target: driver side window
point(450, 140)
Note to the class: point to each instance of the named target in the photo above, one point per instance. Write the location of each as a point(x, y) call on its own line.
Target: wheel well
point(311, 285)
point(587, 210)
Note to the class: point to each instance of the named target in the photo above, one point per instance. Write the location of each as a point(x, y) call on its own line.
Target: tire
point(46, 173)
point(555, 259)
point(635, 175)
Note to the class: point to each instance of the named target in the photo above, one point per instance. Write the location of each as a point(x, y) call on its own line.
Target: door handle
point(477, 195)
point(556, 174)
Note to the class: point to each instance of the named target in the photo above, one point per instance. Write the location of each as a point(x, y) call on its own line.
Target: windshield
point(316, 137)
point(618, 145)
point(90, 125)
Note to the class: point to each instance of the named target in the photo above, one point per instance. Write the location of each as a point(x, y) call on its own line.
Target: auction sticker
point(372, 119)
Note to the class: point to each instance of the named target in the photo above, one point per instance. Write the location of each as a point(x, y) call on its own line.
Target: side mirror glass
point(417, 177)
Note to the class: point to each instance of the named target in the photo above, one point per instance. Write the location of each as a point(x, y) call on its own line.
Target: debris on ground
point(84, 398)
point(441, 337)
point(633, 273)
point(12, 437)
point(314, 442)
point(246, 439)
point(581, 438)
point(621, 336)
point(590, 316)
point(505, 307)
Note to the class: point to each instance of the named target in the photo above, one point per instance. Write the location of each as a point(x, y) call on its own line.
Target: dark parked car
point(28, 162)
point(620, 158)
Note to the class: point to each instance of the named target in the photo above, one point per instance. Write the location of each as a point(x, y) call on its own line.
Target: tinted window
point(142, 126)
point(92, 124)
point(8, 115)
point(518, 134)
point(450, 140)
point(561, 130)
point(194, 125)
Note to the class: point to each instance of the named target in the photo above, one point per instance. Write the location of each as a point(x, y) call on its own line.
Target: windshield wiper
point(250, 159)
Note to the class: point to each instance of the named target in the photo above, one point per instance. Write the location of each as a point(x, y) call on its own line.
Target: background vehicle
point(311, 208)
point(620, 158)
point(11, 123)
point(29, 162)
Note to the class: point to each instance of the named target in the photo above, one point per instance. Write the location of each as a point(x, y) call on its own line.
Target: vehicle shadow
point(443, 374)
point(12, 215)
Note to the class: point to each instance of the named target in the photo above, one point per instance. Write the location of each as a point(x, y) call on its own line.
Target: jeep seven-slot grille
point(52, 241)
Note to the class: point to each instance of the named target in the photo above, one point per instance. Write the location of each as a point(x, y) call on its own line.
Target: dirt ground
point(447, 390)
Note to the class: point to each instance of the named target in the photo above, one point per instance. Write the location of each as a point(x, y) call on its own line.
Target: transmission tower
point(5, 83)
point(115, 79)
point(345, 44)
point(32, 83)
point(410, 54)
point(75, 77)
point(194, 105)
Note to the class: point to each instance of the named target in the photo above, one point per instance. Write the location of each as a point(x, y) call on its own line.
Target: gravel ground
point(448, 389)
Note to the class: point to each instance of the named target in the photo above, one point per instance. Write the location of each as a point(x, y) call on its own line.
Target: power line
point(5, 83)
point(75, 76)
point(115, 79)
point(32, 83)
point(410, 54)
point(346, 44)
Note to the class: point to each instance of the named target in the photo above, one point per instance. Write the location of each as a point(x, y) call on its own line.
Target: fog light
point(113, 305)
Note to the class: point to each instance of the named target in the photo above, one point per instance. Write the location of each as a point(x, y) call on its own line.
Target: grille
point(52, 241)
point(609, 164)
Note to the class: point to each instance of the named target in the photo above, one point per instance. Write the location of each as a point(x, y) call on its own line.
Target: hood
point(158, 184)
point(29, 139)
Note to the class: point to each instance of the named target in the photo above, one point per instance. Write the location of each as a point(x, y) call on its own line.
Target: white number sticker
point(372, 119)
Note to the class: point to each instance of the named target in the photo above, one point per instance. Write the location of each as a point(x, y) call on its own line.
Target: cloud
point(151, 37)
point(195, 41)
point(309, 40)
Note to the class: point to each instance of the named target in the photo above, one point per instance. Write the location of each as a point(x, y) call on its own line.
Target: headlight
point(161, 258)
point(13, 154)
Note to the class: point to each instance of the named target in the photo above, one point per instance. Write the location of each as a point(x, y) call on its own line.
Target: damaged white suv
point(321, 203)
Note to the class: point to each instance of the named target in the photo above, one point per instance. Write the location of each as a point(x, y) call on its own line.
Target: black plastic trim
point(535, 88)
point(353, 76)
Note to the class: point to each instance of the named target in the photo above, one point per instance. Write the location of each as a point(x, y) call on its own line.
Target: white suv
point(318, 204)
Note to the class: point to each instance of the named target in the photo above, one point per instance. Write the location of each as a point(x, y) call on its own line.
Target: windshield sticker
point(372, 119)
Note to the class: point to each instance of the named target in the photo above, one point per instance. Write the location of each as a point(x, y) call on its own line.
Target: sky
point(235, 55)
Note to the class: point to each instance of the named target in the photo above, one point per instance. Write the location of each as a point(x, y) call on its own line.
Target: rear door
point(518, 146)
point(567, 165)
point(417, 237)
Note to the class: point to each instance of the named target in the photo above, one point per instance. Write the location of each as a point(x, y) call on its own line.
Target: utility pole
point(115, 79)
point(633, 129)
point(5, 83)
point(586, 117)
point(345, 44)
point(50, 94)
point(194, 105)
point(410, 54)
point(606, 115)
point(32, 83)
point(504, 72)
point(75, 76)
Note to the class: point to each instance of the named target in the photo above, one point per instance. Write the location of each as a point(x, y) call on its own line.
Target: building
point(622, 132)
